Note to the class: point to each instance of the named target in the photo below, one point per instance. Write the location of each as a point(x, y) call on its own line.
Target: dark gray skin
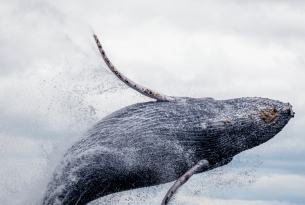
point(153, 143)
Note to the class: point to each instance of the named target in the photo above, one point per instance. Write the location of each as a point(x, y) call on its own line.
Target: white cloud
point(293, 182)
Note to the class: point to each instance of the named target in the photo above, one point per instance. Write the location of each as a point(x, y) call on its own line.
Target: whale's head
point(220, 129)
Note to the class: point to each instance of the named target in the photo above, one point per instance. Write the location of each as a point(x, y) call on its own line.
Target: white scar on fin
point(141, 89)
point(201, 165)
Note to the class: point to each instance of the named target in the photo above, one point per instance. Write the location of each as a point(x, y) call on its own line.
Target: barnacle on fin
point(118, 74)
point(269, 115)
point(149, 92)
point(157, 94)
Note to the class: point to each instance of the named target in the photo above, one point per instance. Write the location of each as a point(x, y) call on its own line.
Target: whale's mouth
point(291, 111)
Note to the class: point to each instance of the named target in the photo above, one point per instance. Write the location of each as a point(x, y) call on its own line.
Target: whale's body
point(152, 143)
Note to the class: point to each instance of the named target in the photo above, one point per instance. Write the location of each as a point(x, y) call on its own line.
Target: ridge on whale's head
point(152, 143)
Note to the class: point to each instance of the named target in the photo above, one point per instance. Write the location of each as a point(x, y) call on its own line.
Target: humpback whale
point(157, 142)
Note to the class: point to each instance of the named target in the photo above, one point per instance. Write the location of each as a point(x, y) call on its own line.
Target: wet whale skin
point(153, 143)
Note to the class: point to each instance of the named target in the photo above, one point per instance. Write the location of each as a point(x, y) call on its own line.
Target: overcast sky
point(54, 85)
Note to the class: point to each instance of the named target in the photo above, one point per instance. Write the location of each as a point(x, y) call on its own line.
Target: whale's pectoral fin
point(199, 167)
point(141, 89)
